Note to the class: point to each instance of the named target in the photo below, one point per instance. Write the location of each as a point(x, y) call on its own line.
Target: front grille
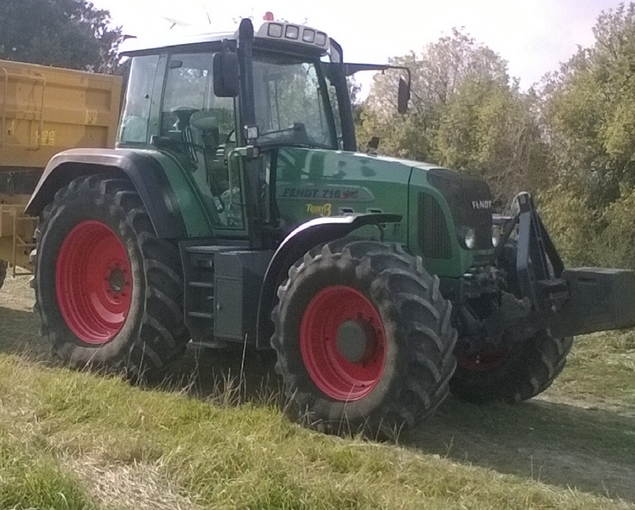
point(463, 194)
point(434, 238)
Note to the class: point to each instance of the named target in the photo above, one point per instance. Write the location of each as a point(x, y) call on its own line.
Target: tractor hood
point(409, 163)
point(315, 182)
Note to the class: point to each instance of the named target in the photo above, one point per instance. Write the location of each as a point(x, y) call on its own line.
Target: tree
point(436, 75)
point(589, 110)
point(64, 33)
point(491, 129)
point(465, 114)
point(439, 71)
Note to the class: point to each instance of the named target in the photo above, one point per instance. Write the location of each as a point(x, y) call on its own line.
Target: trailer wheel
point(108, 291)
point(511, 375)
point(3, 272)
point(363, 338)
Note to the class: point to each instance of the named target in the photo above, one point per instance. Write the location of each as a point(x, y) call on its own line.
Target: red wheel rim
point(93, 282)
point(343, 343)
point(483, 361)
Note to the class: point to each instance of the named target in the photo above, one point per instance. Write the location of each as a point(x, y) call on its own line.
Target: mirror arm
point(350, 69)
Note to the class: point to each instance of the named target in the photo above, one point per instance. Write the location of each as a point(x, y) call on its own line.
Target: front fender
point(295, 245)
point(143, 168)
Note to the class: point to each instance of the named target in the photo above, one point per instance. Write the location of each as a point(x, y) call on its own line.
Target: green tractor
point(236, 209)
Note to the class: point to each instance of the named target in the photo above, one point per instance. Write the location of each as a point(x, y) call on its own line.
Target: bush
point(573, 226)
point(619, 235)
point(585, 236)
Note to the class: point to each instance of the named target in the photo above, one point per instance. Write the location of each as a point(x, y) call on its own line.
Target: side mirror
point(403, 96)
point(226, 74)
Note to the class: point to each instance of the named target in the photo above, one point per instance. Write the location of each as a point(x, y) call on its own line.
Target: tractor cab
point(221, 103)
point(232, 107)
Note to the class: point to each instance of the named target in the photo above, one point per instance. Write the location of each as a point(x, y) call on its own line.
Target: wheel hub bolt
point(352, 340)
point(117, 280)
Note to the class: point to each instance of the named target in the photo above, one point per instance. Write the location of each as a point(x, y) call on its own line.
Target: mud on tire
point(408, 333)
point(142, 329)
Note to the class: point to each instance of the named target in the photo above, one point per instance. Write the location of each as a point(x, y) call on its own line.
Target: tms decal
point(322, 210)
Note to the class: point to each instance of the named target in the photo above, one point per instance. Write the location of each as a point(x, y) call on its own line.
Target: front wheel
point(363, 338)
point(108, 291)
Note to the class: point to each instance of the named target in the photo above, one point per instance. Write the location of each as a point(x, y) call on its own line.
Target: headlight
point(308, 35)
point(470, 238)
point(292, 32)
point(320, 39)
point(274, 30)
point(496, 236)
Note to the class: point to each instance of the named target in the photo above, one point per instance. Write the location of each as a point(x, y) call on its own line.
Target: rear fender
point(295, 245)
point(141, 168)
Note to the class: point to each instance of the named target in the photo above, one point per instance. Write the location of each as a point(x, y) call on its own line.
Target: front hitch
point(567, 302)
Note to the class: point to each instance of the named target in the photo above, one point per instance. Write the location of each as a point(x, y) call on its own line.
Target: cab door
point(199, 130)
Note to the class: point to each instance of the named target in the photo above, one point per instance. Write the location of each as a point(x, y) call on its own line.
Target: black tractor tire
point(3, 272)
point(96, 244)
point(511, 375)
point(406, 357)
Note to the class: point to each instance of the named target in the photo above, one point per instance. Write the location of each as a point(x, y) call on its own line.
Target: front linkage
point(517, 311)
point(567, 302)
point(539, 293)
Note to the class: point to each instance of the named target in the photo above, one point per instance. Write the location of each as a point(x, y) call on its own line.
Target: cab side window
point(136, 112)
point(189, 90)
point(200, 128)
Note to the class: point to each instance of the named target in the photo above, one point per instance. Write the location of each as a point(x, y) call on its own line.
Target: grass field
point(214, 439)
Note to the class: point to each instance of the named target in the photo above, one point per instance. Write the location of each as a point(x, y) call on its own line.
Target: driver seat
point(205, 134)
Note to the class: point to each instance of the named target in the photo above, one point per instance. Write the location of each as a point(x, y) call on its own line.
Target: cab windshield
point(292, 103)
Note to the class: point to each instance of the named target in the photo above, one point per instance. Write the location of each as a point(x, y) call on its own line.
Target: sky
point(534, 36)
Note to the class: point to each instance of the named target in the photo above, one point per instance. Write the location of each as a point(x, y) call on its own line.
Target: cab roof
point(278, 34)
point(133, 46)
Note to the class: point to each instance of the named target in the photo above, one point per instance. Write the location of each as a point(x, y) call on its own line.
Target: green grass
point(78, 440)
point(30, 477)
point(601, 372)
point(246, 456)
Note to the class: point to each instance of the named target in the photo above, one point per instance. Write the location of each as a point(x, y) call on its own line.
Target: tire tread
point(162, 337)
point(429, 336)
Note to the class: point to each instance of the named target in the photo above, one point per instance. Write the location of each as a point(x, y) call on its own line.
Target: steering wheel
point(183, 114)
point(228, 138)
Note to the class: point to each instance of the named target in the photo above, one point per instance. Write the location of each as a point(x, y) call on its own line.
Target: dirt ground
point(556, 440)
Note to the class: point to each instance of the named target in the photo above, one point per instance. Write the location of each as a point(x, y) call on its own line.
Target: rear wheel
point(108, 292)
point(363, 338)
point(511, 374)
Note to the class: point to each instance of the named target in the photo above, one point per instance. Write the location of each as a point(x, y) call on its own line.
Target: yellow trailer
point(44, 110)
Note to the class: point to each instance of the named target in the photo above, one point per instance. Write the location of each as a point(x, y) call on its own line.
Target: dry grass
point(77, 440)
point(141, 486)
point(600, 373)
